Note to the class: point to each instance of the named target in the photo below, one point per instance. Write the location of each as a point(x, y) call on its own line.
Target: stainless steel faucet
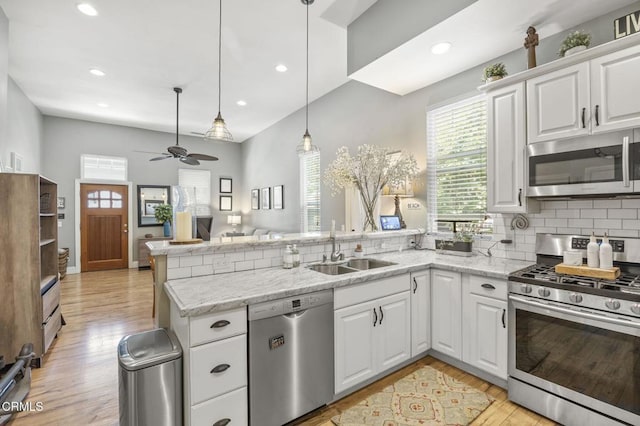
point(335, 254)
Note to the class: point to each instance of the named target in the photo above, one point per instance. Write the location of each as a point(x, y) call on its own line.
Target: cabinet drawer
point(51, 327)
point(232, 406)
point(50, 300)
point(355, 294)
point(489, 287)
point(208, 328)
point(229, 356)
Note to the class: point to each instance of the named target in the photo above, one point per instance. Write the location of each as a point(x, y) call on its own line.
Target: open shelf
point(46, 242)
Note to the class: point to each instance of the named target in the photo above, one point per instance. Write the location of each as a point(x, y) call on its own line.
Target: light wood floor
point(79, 383)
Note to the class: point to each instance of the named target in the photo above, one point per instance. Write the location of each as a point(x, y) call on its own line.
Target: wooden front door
point(103, 227)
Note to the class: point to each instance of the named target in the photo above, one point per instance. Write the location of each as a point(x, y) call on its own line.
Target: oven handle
point(580, 314)
point(625, 161)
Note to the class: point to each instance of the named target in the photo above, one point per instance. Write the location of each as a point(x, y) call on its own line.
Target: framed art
point(278, 197)
point(265, 199)
point(150, 207)
point(255, 199)
point(226, 185)
point(226, 203)
point(61, 203)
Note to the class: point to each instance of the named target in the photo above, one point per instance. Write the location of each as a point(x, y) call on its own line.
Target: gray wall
point(67, 139)
point(4, 73)
point(355, 113)
point(25, 129)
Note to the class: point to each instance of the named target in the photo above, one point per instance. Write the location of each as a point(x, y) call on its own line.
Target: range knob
point(635, 308)
point(544, 292)
point(612, 304)
point(525, 288)
point(575, 298)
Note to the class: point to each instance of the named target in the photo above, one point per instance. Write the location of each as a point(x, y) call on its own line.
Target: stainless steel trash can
point(150, 379)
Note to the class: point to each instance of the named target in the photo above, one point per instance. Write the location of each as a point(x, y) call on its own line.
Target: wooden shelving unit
point(29, 285)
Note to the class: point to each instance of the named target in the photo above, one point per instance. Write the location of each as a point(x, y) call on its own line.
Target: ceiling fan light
point(219, 131)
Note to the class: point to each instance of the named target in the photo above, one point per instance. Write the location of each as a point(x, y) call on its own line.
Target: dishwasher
point(290, 357)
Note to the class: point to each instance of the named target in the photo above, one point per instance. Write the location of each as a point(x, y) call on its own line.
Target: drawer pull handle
point(223, 422)
point(220, 324)
point(488, 286)
point(220, 368)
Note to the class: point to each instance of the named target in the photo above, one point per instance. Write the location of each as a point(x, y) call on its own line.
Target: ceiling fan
point(176, 151)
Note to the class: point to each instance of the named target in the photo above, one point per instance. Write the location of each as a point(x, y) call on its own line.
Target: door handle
point(597, 115)
point(381, 314)
point(223, 422)
point(220, 368)
point(488, 286)
point(375, 317)
point(504, 312)
point(220, 324)
point(584, 110)
point(415, 285)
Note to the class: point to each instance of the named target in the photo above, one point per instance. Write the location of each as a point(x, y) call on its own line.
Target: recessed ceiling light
point(281, 68)
point(103, 105)
point(97, 72)
point(242, 103)
point(87, 9)
point(440, 48)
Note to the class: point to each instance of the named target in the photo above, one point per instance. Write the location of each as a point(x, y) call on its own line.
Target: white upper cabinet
point(558, 104)
point(615, 90)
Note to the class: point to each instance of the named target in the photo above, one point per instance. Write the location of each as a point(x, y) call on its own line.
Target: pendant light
point(306, 146)
point(218, 130)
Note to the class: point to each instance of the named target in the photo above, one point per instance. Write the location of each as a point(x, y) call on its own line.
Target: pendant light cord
point(219, 56)
point(177, 114)
point(307, 98)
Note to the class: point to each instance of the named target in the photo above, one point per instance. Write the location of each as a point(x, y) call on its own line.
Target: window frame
point(305, 199)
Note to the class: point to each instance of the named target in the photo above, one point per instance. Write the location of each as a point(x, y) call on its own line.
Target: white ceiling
point(147, 47)
point(481, 32)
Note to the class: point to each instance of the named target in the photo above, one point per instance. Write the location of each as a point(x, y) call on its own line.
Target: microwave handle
point(625, 161)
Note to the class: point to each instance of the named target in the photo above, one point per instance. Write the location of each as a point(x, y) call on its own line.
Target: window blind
point(456, 161)
point(310, 192)
point(196, 185)
point(103, 167)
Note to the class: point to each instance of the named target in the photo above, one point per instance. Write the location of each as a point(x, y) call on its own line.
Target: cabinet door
point(485, 334)
point(556, 103)
point(506, 150)
point(393, 332)
point(420, 313)
point(615, 84)
point(446, 313)
point(354, 344)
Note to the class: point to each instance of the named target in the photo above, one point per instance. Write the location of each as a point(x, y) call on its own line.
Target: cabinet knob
point(220, 368)
point(223, 422)
point(220, 324)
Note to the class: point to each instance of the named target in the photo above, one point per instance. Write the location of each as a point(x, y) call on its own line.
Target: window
point(195, 190)
point(103, 168)
point(310, 192)
point(456, 163)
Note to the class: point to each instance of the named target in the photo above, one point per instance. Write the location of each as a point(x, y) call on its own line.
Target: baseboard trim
point(469, 369)
point(72, 270)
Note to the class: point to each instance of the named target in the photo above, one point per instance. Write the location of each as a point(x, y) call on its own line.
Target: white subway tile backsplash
point(625, 233)
point(253, 254)
point(549, 213)
point(554, 205)
point(236, 256)
point(580, 223)
point(556, 222)
point(622, 213)
point(607, 223)
point(593, 213)
point(207, 259)
point(607, 204)
point(568, 213)
point(631, 204)
point(630, 224)
point(176, 273)
point(193, 260)
point(198, 271)
point(245, 265)
point(173, 262)
point(262, 263)
point(580, 204)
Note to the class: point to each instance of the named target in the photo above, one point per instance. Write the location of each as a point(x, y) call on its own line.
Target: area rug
point(425, 397)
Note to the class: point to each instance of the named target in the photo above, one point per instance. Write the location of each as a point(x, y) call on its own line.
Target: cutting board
point(193, 241)
point(585, 271)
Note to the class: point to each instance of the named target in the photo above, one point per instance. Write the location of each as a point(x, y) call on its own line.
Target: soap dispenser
point(606, 253)
point(593, 252)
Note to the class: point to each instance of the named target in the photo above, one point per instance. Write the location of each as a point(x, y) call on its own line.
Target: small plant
point(495, 70)
point(576, 38)
point(163, 213)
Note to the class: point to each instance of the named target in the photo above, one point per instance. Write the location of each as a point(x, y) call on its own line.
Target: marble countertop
point(213, 293)
point(159, 248)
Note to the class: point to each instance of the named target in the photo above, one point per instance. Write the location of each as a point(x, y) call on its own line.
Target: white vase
point(494, 78)
point(575, 49)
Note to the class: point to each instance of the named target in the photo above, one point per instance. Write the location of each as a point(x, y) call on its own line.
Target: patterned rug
point(425, 397)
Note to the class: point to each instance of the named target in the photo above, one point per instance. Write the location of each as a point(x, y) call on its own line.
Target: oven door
point(589, 357)
point(591, 166)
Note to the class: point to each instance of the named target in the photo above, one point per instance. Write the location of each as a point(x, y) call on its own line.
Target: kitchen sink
point(364, 264)
point(332, 269)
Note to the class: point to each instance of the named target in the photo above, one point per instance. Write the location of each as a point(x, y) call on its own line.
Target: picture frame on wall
point(265, 198)
point(255, 199)
point(226, 185)
point(278, 197)
point(226, 203)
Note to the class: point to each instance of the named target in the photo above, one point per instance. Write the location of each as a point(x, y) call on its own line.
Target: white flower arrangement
point(370, 171)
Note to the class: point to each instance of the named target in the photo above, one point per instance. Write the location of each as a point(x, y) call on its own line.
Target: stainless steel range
point(574, 342)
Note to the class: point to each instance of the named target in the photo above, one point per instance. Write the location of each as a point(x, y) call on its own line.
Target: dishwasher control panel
point(289, 305)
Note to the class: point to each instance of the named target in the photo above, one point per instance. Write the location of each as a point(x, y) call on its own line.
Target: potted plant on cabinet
point(164, 214)
point(494, 72)
point(575, 42)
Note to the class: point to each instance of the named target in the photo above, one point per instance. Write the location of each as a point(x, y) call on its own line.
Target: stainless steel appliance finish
point(597, 165)
point(574, 342)
point(290, 357)
point(150, 379)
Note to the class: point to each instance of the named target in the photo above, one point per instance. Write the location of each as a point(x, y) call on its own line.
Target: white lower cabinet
point(371, 335)
point(228, 409)
point(446, 312)
point(420, 312)
point(484, 307)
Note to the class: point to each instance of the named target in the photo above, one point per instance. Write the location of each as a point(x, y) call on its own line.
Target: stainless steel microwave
point(596, 165)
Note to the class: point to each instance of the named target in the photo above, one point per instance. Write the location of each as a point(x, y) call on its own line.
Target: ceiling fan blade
point(203, 157)
point(189, 160)
point(161, 158)
point(152, 152)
